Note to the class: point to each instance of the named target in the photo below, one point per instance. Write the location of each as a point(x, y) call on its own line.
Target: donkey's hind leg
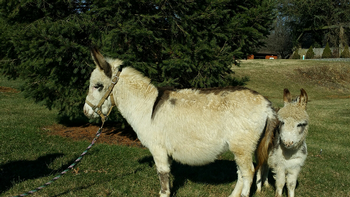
point(245, 167)
point(163, 169)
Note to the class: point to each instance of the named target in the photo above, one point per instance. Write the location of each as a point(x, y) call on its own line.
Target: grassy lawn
point(328, 88)
point(29, 157)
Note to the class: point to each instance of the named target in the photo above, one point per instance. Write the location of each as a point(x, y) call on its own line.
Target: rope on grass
point(103, 119)
point(65, 171)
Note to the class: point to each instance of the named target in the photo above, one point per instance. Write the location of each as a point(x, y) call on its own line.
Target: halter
point(97, 108)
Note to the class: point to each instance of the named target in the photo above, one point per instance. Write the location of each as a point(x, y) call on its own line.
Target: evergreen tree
point(310, 53)
point(47, 45)
point(181, 43)
point(296, 54)
point(327, 53)
point(175, 43)
point(346, 52)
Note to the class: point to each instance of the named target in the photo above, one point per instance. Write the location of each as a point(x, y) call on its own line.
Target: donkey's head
point(293, 119)
point(100, 80)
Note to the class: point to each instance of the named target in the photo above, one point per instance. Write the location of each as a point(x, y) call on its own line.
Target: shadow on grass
point(67, 121)
point(18, 171)
point(218, 172)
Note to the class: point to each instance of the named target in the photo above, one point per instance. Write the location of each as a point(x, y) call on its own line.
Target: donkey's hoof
point(258, 190)
point(266, 184)
point(166, 194)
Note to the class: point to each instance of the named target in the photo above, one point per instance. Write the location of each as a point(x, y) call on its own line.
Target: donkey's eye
point(98, 86)
point(280, 125)
point(302, 124)
point(302, 127)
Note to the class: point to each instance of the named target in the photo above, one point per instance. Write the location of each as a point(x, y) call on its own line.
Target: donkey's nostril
point(86, 112)
point(288, 143)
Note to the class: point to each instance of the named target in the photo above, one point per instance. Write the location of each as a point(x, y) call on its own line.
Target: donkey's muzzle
point(288, 144)
point(89, 112)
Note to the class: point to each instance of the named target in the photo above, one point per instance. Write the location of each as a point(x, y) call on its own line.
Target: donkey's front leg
point(280, 181)
point(164, 184)
point(163, 169)
point(292, 177)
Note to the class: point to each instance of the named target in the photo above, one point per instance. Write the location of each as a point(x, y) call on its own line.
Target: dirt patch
point(110, 134)
point(8, 90)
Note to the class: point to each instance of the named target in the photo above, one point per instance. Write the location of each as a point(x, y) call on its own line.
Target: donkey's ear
point(101, 62)
point(303, 97)
point(287, 97)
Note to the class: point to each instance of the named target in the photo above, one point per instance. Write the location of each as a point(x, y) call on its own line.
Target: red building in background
point(263, 55)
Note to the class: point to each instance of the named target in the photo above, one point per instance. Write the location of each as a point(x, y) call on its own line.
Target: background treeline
point(305, 23)
point(180, 43)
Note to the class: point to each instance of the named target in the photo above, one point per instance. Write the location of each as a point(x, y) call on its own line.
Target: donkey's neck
point(135, 97)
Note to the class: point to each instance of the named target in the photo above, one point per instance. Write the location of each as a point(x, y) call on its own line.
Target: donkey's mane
point(115, 64)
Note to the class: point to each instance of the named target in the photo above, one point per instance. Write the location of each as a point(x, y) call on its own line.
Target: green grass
point(29, 157)
point(328, 89)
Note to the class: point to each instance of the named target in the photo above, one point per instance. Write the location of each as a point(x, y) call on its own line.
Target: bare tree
point(327, 20)
point(280, 39)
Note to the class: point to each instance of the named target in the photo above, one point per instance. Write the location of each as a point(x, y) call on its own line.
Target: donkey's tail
point(262, 153)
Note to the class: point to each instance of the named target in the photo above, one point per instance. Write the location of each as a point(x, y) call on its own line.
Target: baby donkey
point(288, 152)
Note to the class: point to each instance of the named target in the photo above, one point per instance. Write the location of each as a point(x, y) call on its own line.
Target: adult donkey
point(190, 126)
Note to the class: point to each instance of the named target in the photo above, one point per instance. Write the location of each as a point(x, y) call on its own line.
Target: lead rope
point(69, 168)
point(98, 133)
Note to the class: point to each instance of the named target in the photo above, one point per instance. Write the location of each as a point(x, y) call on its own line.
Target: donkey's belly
point(197, 152)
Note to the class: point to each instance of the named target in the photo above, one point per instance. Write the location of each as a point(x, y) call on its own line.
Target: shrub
point(327, 53)
point(310, 53)
point(346, 52)
point(296, 54)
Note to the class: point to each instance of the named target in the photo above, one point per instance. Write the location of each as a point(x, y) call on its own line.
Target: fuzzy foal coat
point(190, 126)
point(289, 150)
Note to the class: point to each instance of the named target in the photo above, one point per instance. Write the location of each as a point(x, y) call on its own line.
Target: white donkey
point(289, 150)
point(190, 126)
